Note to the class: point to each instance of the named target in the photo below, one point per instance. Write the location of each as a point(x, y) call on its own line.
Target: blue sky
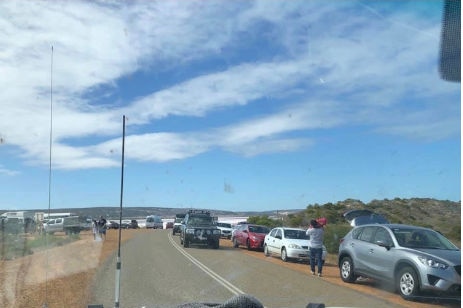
point(232, 105)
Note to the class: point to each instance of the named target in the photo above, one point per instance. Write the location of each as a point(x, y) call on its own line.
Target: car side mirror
point(383, 244)
point(245, 231)
point(278, 237)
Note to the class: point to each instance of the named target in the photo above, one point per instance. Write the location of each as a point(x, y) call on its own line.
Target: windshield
point(271, 114)
point(200, 220)
point(425, 239)
point(296, 234)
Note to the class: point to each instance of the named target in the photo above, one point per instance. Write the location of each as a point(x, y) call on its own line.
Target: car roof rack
point(199, 212)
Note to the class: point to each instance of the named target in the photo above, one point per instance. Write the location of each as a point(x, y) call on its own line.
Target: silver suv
point(414, 259)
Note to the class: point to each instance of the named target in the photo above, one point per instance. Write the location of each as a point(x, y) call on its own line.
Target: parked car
point(169, 225)
point(234, 227)
point(69, 225)
point(133, 224)
point(225, 229)
point(125, 224)
point(177, 228)
point(250, 235)
point(289, 243)
point(154, 222)
point(112, 225)
point(412, 258)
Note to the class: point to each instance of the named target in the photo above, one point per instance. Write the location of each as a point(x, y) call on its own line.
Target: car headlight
point(215, 231)
point(190, 231)
point(433, 263)
point(294, 246)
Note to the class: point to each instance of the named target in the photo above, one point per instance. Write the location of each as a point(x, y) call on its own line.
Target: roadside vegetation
point(442, 216)
point(13, 246)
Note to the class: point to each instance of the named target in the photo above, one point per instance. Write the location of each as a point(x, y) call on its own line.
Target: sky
point(230, 105)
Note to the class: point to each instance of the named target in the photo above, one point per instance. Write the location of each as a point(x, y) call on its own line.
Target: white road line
point(233, 289)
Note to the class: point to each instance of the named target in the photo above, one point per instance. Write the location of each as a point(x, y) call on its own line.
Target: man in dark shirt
point(102, 227)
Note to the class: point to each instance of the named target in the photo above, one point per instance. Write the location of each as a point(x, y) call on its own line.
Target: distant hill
point(442, 215)
point(142, 212)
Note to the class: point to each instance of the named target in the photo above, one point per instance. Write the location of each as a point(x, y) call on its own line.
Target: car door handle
point(371, 251)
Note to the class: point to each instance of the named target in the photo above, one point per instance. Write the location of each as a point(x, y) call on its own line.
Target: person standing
point(315, 233)
point(102, 227)
point(94, 228)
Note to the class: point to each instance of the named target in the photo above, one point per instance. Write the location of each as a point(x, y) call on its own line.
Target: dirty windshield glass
point(200, 220)
point(314, 115)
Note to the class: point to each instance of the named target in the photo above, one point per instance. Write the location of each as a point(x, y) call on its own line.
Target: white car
point(154, 222)
point(288, 243)
point(225, 229)
point(53, 225)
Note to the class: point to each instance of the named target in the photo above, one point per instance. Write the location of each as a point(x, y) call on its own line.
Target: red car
point(251, 236)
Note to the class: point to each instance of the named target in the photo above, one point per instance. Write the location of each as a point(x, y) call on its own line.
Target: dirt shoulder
point(331, 274)
point(59, 276)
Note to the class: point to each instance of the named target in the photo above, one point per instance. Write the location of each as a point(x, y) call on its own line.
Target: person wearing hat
point(315, 233)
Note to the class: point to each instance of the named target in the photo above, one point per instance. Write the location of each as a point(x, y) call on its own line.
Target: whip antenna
point(118, 263)
point(45, 304)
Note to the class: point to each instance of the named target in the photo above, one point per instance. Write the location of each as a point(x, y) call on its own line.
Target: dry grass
point(69, 291)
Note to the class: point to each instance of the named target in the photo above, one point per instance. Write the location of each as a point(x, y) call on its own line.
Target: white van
point(153, 222)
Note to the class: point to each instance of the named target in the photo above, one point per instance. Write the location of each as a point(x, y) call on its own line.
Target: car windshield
point(296, 234)
point(258, 229)
point(422, 239)
point(200, 220)
point(258, 114)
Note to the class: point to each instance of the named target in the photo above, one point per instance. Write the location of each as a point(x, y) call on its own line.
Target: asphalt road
point(157, 272)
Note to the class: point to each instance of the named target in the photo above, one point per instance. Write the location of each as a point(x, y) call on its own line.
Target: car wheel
point(186, 244)
point(181, 240)
point(266, 253)
point(216, 245)
point(235, 243)
point(248, 244)
point(284, 256)
point(346, 270)
point(407, 282)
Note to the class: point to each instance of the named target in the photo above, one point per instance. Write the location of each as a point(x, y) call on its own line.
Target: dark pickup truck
point(199, 228)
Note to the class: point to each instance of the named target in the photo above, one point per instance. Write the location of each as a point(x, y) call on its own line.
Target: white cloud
point(203, 94)
point(8, 172)
point(95, 44)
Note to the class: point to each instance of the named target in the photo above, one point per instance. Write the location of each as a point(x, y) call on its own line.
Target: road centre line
point(233, 289)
